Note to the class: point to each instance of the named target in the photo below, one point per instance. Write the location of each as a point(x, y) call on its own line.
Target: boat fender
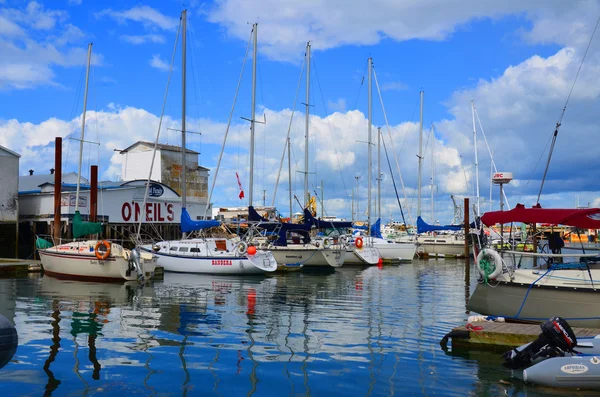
point(497, 263)
point(455, 334)
point(326, 243)
point(9, 340)
point(105, 254)
point(358, 242)
point(242, 248)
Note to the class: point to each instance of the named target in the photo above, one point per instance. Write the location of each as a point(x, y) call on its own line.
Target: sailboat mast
point(87, 80)
point(252, 114)
point(306, 123)
point(370, 113)
point(432, 174)
point(476, 159)
point(379, 172)
point(420, 157)
point(290, 175)
point(183, 93)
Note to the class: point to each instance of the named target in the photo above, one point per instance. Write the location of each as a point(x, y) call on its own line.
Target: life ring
point(497, 263)
point(358, 242)
point(326, 243)
point(242, 248)
point(102, 256)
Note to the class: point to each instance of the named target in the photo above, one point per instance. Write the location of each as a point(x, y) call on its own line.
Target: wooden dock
point(496, 335)
point(10, 267)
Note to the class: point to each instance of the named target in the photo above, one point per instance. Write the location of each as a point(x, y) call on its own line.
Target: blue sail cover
point(376, 229)
point(189, 225)
point(423, 227)
point(320, 224)
point(280, 227)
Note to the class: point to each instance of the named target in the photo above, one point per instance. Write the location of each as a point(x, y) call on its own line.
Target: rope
point(229, 123)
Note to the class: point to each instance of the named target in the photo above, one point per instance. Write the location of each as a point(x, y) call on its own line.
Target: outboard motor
point(556, 339)
point(135, 262)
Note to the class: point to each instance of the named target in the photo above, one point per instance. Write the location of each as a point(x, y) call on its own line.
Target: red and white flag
point(241, 195)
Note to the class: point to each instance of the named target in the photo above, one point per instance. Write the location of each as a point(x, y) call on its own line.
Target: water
point(358, 332)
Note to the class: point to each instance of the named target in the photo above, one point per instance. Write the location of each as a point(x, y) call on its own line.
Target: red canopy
point(585, 218)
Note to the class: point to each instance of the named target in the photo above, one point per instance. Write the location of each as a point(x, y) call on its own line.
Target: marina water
point(348, 332)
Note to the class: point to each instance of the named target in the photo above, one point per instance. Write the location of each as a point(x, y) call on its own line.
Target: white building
point(9, 202)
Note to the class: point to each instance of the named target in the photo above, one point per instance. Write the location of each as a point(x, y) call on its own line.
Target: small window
point(173, 249)
point(183, 249)
point(194, 249)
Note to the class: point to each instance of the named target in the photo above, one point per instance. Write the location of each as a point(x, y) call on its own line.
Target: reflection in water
point(371, 332)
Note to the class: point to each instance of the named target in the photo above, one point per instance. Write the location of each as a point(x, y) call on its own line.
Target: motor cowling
point(556, 339)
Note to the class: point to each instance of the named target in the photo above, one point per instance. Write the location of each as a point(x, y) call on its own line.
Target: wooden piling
point(57, 226)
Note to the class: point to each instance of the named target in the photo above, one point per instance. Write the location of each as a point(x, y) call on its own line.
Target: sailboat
point(207, 254)
point(308, 252)
point(92, 259)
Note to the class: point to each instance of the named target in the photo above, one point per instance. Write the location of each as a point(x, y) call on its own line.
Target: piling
point(57, 189)
point(93, 193)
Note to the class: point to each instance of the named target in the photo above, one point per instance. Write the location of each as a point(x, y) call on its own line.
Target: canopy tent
point(585, 218)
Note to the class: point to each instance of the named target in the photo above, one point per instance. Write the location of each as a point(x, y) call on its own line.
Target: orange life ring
point(358, 242)
point(100, 255)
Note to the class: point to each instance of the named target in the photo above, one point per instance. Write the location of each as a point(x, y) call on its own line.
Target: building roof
point(10, 152)
point(161, 146)
point(33, 182)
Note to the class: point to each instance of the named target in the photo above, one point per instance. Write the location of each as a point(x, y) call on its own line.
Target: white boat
point(360, 253)
point(82, 259)
point(212, 256)
point(569, 289)
point(93, 259)
point(395, 251)
point(208, 254)
point(309, 254)
point(441, 245)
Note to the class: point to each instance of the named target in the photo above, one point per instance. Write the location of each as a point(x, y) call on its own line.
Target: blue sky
point(517, 60)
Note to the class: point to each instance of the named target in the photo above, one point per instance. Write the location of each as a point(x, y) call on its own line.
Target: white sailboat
point(208, 254)
point(310, 252)
point(93, 259)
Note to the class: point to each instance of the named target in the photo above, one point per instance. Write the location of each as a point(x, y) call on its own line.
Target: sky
point(516, 60)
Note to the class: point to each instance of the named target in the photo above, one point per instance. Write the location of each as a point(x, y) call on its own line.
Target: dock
point(19, 266)
point(501, 335)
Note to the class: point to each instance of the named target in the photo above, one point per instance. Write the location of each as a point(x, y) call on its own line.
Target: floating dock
point(501, 335)
point(19, 266)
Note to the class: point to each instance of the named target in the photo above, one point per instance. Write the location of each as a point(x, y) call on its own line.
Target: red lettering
point(137, 211)
point(171, 215)
point(126, 212)
point(159, 216)
point(148, 212)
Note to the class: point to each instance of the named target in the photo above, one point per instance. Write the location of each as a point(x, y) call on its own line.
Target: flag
point(241, 195)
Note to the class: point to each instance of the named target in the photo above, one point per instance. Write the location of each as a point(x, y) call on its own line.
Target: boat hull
point(441, 247)
point(364, 256)
point(396, 251)
point(313, 257)
point(76, 260)
point(579, 307)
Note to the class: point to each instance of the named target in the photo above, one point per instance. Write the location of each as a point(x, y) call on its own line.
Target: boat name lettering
point(574, 369)
point(222, 262)
point(155, 212)
point(294, 256)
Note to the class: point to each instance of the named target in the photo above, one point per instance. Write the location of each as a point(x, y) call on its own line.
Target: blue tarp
point(280, 227)
point(319, 224)
point(376, 229)
point(188, 225)
point(423, 227)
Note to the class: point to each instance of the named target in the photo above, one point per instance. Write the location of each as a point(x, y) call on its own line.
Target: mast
point(87, 80)
point(476, 159)
point(306, 194)
point(183, 149)
point(252, 114)
point(370, 112)
point(290, 176)
point(379, 172)
point(432, 174)
point(420, 158)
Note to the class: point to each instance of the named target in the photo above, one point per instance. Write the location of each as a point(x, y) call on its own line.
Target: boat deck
point(498, 335)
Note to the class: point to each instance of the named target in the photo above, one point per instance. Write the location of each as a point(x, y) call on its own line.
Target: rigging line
point(539, 159)
point(288, 132)
point(229, 122)
point(489, 151)
point(393, 180)
point(362, 81)
point(387, 124)
point(559, 122)
point(139, 228)
point(331, 130)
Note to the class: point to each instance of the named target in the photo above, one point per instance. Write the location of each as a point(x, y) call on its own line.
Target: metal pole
point(85, 95)
point(476, 159)
point(432, 174)
point(252, 114)
point(57, 188)
point(306, 194)
point(379, 172)
point(420, 157)
point(370, 112)
point(467, 227)
point(93, 193)
point(322, 200)
point(183, 93)
point(290, 175)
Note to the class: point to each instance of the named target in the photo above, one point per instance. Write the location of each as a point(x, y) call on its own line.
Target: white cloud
point(337, 106)
point(286, 25)
point(146, 15)
point(143, 38)
point(393, 86)
point(75, 2)
point(157, 62)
